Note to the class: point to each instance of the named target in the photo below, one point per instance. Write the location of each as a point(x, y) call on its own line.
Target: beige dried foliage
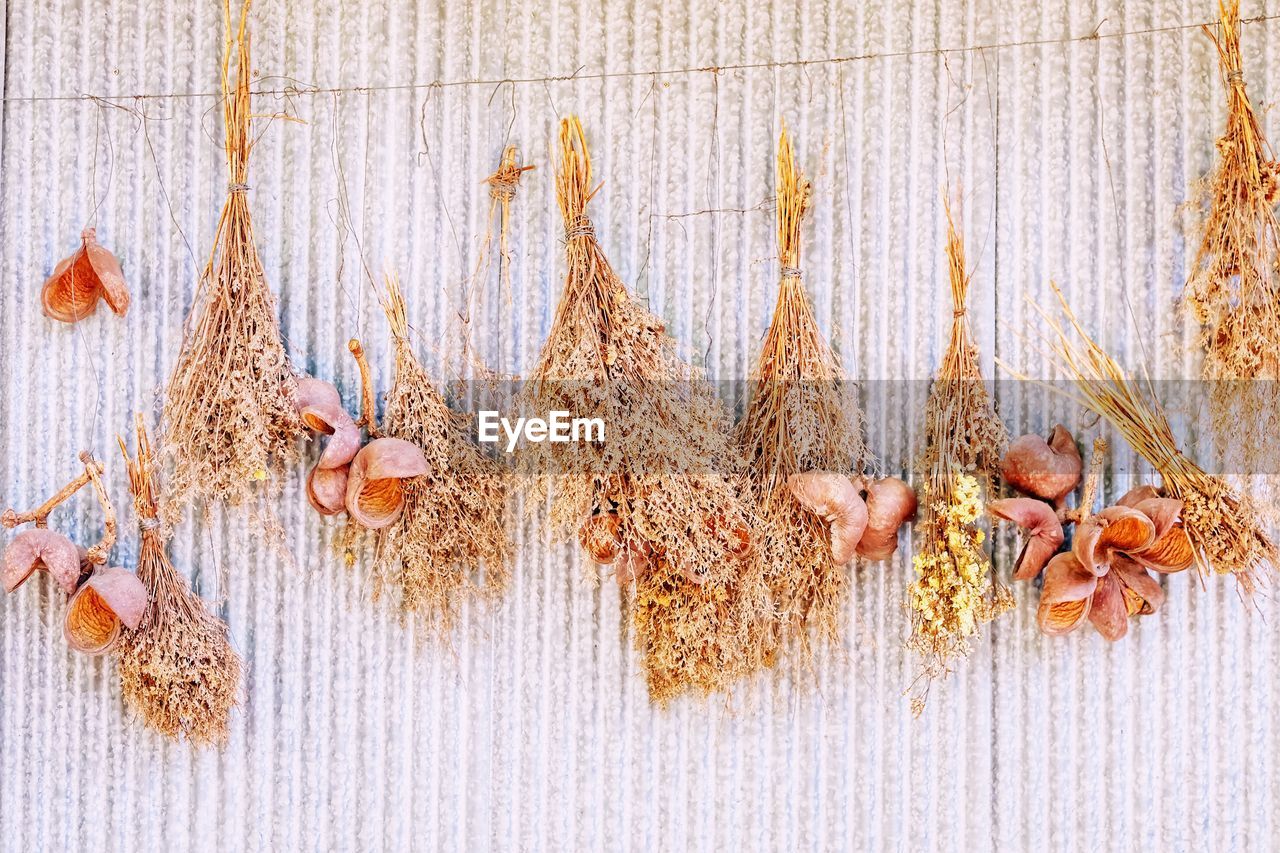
point(803, 415)
point(955, 590)
point(1234, 289)
point(178, 669)
point(451, 541)
point(662, 468)
point(229, 418)
point(1227, 526)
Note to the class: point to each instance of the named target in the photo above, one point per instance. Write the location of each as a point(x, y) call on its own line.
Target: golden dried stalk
point(451, 541)
point(178, 669)
point(803, 415)
point(955, 590)
point(1224, 524)
point(229, 418)
point(1233, 291)
point(661, 468)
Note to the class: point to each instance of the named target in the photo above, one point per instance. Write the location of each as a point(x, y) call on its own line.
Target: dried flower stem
point(1090, 491)
point(92, 473)
point(11, 518)
point(368, 407)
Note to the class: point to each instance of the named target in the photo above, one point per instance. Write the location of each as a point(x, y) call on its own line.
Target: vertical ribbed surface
point(533, 732)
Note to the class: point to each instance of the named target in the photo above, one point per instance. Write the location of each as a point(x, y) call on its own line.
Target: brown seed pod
point(109, 599)
point(41, 549)
point(1171, 551)
point(890, 504)
point(327, 489)
point(599, 537)
point(319, 405)
point(375, 493)
point(835, 498)
point(80, 280)
point(1067, 595)
point(1049, 470)
point(1115, 529)
point(1044, 532)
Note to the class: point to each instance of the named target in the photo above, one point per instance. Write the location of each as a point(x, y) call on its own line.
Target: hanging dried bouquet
point(653, 500)
point(802, 418)
point(955, 590)
point(229, 415)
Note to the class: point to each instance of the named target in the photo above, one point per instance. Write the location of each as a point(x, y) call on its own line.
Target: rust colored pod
point(109, 600)
point(375, 491)
point(835, 499)
point(79, 281)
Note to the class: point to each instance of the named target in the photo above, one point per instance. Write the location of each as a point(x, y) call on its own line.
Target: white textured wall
point(534, 732)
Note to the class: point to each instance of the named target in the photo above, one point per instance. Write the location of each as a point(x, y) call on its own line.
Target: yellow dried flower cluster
point(953, 592)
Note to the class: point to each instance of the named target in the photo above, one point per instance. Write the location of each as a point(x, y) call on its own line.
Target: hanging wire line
point(580, 74)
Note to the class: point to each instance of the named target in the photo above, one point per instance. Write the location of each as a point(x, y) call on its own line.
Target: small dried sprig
point(178, 669)
point(229, 415)
point(1225, 525)
point(97, 554)
point(1233, 290)
point(802, 416)
point(955, 590)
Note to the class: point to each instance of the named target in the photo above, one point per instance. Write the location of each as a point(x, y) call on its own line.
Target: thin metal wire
point(293, 90)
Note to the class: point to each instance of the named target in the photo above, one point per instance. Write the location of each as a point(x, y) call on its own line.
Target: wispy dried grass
point(955, 590)
point(661, 468)
point(451, 541)
point(802, 415)
point(178, 670)
point(229, 418)
point(1225, 525)
point(1234, 291)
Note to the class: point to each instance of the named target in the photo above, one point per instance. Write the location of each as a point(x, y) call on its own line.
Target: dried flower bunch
point(1233, 291)
point(1225, 525)
point(955, 590)
point(450, 541)
point(229, 414)
point(178, 669)
point(653, 500)
point(101, 601)
point(1105, 575)
point(802, 417)
point(79, 281)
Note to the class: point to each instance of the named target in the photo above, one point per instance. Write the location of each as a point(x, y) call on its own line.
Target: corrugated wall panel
point(1068, 161)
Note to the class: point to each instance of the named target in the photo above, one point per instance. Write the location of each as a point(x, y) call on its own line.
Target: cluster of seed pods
point(863, 515)
point(102, 601)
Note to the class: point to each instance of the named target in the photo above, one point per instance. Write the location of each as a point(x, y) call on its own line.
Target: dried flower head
point(79, 281)
point(229, 416)
point(111, 599)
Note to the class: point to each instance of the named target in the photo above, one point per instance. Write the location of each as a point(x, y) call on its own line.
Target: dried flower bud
point(109, 599)
point(835, 499)
point(1115, 529)
point(327, 489)
point(1046, 469)
point(375, 494)
point(890, 504)
point(599, 537)
point(1044, 532)
point(41, 549)
point(79, 281)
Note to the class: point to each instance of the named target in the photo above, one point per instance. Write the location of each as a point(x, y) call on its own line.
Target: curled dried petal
point(1115, 529)
point(1044, 532)
point(342, 445)
point(1137, 495)
point(72, 292)
point(375, 495)
point(1065, 600)
point(41, 549)
point(1047, 469)
point(1171, 551)
point(890, 504)
point(1142, 593)
point(327, 489)
point(110, 599)
point(835, 499)
point(1109, 610)
point(319, 405)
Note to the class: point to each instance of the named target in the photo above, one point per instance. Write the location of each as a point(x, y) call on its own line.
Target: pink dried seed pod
point(1137, 495)
point(342, 445)
point(375, 495)
point(91, 273)
point(1108, 610)
point(1142, 593)
point(41, 549)
point(1046, 469)
point(1044, 532)
point(327, 489)
point(890, 504)
point(1067, 596)
point(600, 537)
point(1116, 529)
point(109, 600)
point(319, 405)
point(835, 499)
point(1172, 550)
